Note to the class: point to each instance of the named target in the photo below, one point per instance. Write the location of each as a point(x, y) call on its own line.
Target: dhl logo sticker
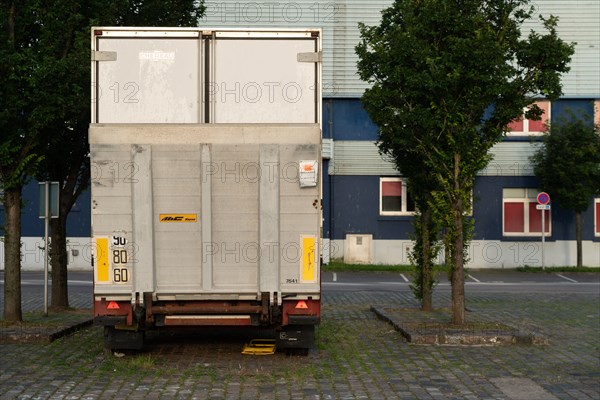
point(178, 217)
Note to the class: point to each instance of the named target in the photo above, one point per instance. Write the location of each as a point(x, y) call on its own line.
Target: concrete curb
point(40, 334)
point(418, 333)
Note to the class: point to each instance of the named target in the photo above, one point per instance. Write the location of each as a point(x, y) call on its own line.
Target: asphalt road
point(498, 281)
point(477, 281)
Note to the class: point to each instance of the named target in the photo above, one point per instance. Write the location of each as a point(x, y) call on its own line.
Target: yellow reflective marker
point(308, 259)
point(102, 259)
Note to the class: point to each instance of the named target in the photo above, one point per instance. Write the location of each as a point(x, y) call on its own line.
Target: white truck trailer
point(205, 158)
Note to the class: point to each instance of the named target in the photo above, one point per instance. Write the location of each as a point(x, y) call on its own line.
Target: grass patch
point(338, 266)
point(53, 319)
point(141, 361)
point(324, 335)
point(550, 270)
point(132, 364)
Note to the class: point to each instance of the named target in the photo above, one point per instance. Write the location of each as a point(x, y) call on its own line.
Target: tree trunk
point(75, 182)
point(458, 275)
point(12, 255)
point(579, 238)
point(426, 262)
point(59, 261)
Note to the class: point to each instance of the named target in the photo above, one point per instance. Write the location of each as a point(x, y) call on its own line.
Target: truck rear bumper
point(208, 320)
point(206, 313)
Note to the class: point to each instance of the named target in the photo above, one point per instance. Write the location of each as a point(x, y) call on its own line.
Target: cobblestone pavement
point(357, 356)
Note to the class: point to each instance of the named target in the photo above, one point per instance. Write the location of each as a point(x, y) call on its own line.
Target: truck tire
point(296, 339)
point(117, 339)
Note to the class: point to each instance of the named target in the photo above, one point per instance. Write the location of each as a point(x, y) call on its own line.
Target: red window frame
point(516, 224)
point(520, 217)
point(526, 127)
point(394, 187)
point(597, 217)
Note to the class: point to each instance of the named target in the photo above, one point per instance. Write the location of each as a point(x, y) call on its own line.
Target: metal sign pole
point(48, 207)
point(46, 217)
point(543, 200)
point(543, 237)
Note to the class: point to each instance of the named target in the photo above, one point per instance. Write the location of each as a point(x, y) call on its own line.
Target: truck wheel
point(303, 352)
point(116, 339)
point(296, 339)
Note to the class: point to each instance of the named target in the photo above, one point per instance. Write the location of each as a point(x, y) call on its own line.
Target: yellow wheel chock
point(259, 347)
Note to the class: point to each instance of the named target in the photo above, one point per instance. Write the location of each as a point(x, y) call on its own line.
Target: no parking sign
point(543, 198)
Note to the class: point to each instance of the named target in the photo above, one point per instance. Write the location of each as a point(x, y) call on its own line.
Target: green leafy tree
point(568, 167)
point(425, 249)
point(426, 237)
point(447, 77)
point(44, 90)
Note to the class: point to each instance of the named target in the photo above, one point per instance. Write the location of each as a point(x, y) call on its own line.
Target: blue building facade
point(352, 199)
point(32, 231)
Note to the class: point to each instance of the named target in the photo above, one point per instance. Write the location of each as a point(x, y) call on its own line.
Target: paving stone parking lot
point(357, 356)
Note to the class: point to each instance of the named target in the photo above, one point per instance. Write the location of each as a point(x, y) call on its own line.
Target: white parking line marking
point(521, 388)
point(569, 279)
point(404, 277)
point(508, 284)
point(472, 277)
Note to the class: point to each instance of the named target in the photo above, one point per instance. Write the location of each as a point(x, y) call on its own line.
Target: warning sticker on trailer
point(308, 173)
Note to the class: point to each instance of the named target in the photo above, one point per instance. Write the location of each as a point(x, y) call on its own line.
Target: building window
point(394, 198)
point(519, 214)
point(525, 127)
point(597, 214)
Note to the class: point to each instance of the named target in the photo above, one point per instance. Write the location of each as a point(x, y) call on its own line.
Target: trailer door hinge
point(314, 57)
point(104, 56)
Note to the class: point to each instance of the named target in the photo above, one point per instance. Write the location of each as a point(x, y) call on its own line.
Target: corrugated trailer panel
point(176, 185)
point(259, 212)
point(297, 221)
point(111, 177)
point(235, 217)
